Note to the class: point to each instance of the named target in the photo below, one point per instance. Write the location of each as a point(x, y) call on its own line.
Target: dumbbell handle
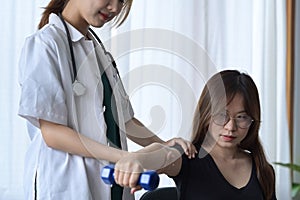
point(148, 180)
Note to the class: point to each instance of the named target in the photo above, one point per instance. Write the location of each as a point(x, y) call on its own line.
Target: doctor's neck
point(75, 20)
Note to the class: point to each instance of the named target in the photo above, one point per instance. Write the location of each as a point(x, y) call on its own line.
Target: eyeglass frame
point(228, 118)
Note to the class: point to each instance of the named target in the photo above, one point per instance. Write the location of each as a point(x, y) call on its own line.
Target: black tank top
point(200, 178)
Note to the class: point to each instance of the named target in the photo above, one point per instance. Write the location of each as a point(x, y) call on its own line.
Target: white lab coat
point(46, 93)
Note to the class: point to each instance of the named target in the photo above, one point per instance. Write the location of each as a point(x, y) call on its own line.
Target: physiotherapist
point(77, 111)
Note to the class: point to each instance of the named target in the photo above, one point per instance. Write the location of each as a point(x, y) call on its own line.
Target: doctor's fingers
point(191, 150)
point(134, 189)
point(188, 148)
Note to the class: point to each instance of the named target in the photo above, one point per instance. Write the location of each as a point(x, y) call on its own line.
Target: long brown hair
point(219, 91)
point(57, 6)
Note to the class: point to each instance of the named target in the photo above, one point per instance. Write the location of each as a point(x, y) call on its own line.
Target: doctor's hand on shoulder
point(187, 146)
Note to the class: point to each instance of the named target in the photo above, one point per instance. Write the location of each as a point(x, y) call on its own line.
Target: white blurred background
point(165, 51)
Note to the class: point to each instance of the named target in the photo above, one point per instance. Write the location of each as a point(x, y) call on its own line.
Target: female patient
point(231, 163)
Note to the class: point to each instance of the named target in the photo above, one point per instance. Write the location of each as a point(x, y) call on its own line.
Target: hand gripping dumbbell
point(148, 180)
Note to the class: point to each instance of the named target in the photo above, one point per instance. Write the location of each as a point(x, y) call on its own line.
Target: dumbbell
point(148, 180)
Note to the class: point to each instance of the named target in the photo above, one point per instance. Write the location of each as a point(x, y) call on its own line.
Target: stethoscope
point(78, 87)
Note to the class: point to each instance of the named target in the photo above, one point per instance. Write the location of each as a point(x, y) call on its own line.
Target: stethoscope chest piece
point(78, 88)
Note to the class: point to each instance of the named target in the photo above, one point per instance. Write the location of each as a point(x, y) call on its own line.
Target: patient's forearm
point(161, 158)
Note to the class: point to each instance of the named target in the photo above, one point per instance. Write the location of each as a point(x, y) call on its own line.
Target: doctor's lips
point(105, 16)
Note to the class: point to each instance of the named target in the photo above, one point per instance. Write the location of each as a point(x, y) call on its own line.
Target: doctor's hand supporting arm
point(63, 138)
point(158, 157)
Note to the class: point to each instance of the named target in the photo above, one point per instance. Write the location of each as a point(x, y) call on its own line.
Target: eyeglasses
point(241, 120)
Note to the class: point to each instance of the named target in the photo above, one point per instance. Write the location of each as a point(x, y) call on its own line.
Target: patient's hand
point(127, 171)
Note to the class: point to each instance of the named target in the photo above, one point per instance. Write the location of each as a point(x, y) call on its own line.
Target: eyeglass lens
point(241, 120)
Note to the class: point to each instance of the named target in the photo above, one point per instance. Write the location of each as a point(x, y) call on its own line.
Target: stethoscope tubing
point(72, 51)
point(70, 47)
